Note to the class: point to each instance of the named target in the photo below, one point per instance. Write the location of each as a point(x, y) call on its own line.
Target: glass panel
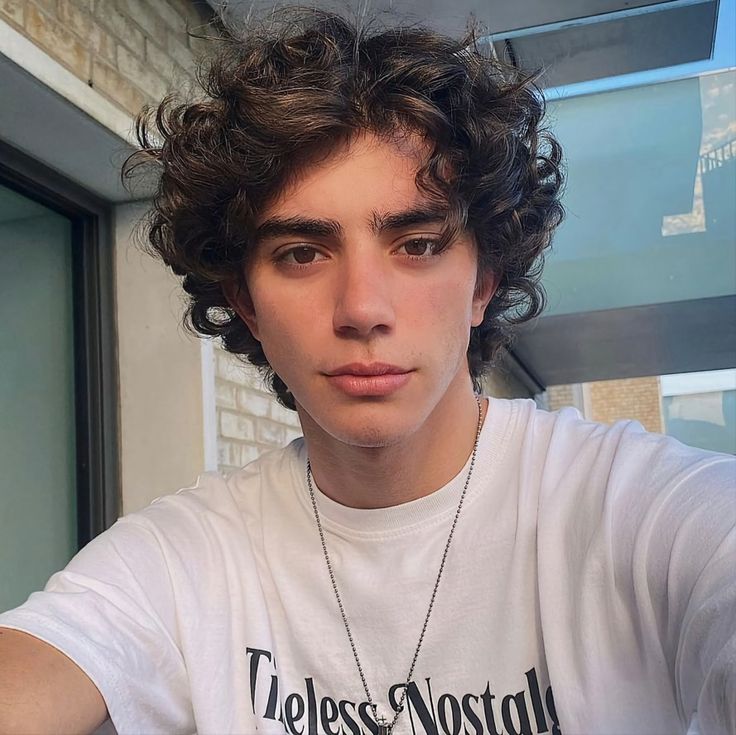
point(650, 196)
point(38, 527)
point(700, 409)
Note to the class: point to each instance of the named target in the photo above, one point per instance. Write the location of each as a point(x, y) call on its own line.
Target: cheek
point(440, 322)
point(449, 306)
point(287, 333)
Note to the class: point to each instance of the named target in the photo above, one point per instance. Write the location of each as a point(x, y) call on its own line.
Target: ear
point(485, 287)
point(238, 297)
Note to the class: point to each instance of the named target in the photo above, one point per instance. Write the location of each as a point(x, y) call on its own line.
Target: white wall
point(161, 407)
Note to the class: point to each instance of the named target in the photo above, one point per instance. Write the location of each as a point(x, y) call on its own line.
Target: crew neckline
point(498, 425)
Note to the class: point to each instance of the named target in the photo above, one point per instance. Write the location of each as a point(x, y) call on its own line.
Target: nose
point(364, 304)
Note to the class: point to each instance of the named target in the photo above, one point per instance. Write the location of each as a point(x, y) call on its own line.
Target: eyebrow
point(380, 222)
point(421, 215)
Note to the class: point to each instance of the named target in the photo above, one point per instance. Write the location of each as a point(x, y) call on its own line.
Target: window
point(57, 376)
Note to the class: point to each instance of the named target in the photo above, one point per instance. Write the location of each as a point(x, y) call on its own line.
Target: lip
point(375, 379)
point(372, 369)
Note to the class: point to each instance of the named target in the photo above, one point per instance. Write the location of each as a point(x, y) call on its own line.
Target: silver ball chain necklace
point(384, 727)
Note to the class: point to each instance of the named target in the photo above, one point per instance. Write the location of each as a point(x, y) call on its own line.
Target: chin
point(369, 425)
point(369, 437)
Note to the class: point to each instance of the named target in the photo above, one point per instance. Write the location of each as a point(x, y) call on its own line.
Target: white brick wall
point(249, 420)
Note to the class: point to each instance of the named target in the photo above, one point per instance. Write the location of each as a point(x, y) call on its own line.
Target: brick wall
point(632, 398)
point(131, 51)
point(560, 396)
point(249, 420)
point(612, 400)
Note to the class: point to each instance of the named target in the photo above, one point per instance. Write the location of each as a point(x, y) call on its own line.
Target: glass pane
point(38, 527)
point(650, 196)
point(700, 409)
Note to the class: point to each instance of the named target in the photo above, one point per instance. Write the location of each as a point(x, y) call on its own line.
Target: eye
point(301, 255)
point(420, 247)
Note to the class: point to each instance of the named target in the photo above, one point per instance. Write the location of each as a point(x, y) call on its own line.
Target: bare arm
point(42, 691)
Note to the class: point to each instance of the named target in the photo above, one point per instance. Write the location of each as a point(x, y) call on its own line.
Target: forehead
point(363, 178)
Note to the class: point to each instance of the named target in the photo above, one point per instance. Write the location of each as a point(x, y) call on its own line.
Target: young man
point(358, 214)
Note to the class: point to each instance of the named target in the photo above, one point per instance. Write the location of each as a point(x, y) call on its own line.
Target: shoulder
point(620, 453)
point(589, 475)
point(216, 501)
point(623, 490)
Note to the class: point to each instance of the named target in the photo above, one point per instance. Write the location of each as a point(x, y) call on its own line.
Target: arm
point(42, 691)
point(111, 612)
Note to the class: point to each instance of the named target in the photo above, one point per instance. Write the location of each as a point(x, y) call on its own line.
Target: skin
point(363, 291)
point(42, 691)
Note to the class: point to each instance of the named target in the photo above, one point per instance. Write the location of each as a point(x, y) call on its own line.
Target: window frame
point(95, 348)
point(722, 58)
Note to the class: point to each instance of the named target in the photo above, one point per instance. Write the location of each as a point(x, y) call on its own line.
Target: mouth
point(373, 369)
point(368, 380)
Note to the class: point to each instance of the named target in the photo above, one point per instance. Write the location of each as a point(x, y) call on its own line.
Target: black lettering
point(273, 699)
point(293, 714)
point(471, 716)
point(537, 704)
point(522, 715)
point(255, 660)
point(414, 700)
point(394, 696)
point(552, 709)
point(328, 714)
point(364, 711)
point(311, 707)
point(456, 722)
point(348, 718)
point(393, 700)
point(488, 698)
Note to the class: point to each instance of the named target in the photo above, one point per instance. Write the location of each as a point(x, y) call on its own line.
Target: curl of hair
point(277, 99)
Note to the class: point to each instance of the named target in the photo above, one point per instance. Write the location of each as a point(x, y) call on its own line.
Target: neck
point(416, 466)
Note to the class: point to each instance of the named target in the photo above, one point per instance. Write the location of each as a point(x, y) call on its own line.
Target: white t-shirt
point(592, 562)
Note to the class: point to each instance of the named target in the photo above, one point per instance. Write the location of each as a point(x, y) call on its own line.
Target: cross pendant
point(383, 727)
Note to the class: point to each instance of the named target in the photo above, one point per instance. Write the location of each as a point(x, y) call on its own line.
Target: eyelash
point(282, 257)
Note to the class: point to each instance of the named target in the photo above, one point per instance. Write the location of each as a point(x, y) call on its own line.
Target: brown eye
point(419, 247)
point(303, 255)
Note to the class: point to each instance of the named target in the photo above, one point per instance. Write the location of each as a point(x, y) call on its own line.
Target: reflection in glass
point(650, 195)
point(700, 409)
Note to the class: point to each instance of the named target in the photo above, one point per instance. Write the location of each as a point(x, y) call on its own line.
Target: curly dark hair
point(281, 97)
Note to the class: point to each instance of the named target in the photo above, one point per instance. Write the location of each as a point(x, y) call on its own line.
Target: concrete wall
point(161, 395)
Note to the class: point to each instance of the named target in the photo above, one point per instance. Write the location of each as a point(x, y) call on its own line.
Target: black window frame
point(95, 345)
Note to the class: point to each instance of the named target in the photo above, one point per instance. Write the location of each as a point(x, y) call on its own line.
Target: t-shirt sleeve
point(699, 585)
point(638, 581)
point(680, 544)
point(112, 611)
